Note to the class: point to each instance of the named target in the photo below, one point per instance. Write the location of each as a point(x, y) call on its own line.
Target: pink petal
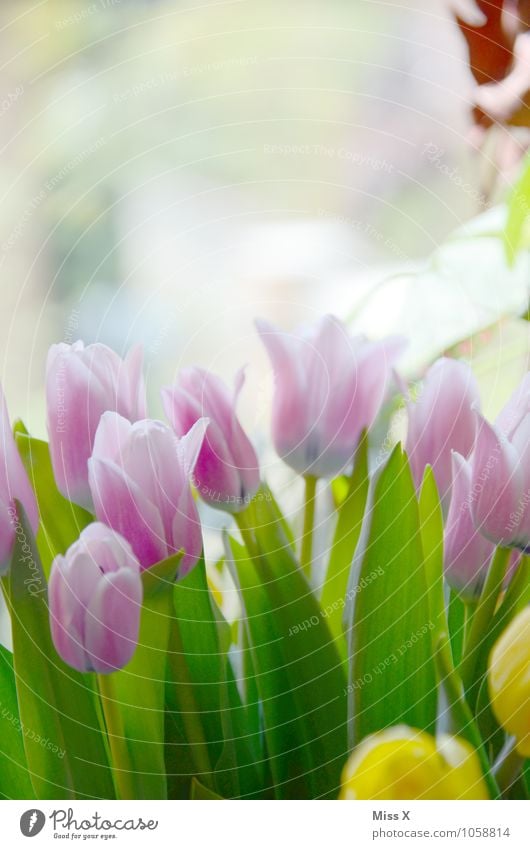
point(467, 552)
point(113, 620)
point(496, 483)
point(121, 504)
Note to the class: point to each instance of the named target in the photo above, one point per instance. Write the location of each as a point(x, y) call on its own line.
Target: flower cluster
point(138, 478)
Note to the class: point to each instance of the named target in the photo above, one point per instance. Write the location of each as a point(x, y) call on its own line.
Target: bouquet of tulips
point(398, 669)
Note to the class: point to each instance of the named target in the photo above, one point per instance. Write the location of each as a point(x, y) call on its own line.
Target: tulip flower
point(403, 763)
point(509, 680)
point(329, 388)
point(95, 598)
point(81, 384)
point(139, 479)
point(14, 485)
point(442, 421)
point(467, 553)
point(501, 473)
point(227, 471)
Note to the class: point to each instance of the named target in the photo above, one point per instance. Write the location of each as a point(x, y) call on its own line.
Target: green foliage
point(55, 702)
point(517, 230)
point(392, 674)
point(15, 782)
point(348, 528)
point(61, 522)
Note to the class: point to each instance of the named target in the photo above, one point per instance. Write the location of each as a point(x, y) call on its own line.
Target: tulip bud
point(501, 473)
point(14, 485)
point(442, 421)
point(139, 479)
point(227, 472)
point(467, 553)
point(403, 763)
point(329, 388)
point(509, 680)
point(95, 598)
point(81, 384)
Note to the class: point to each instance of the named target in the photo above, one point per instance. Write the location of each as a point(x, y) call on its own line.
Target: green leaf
point(432, 538)
point(475, 661)
point(133, 698)
point(61, 522)
point(392, 674)
point(199, 791)
point(202, 651)
point(15, 782)
point(517, 230)
point(65, 749)
point(298, 669)
point(458, 715)
point(239, 772)
point(348, 528)
point(456, 616)
point(203, 691)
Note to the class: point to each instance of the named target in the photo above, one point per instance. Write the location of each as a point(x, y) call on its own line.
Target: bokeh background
point(171, 169)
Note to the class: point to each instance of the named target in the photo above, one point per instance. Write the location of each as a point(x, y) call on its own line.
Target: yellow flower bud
point(509, 680)
point(403, 763)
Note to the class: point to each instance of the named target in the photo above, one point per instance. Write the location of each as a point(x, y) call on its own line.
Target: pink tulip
point(81, 384)
point(329, 387)
point(442, 421)
point(14, 484)
point(467, 553)
point(139, 479)
point(95, 598)
point(501, 473)
point(227, 471)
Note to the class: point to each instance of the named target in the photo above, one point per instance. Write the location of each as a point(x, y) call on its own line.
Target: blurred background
point(171, 169)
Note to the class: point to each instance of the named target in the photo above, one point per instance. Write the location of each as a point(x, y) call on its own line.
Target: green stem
point(306, 555)
point(481, 620)
point(247, 533)
point(187, 705)
point(470, 608)
point(122, 767)
point(463, 721)
point(508, 766)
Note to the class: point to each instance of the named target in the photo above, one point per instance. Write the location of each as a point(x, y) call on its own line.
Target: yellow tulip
point(509, 680)
point(403, 763)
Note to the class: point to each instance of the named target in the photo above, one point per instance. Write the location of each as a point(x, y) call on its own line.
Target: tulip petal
point(121, 504)
point(134, 363)
point(442, 420)
point(66, 617)
point(496, 483)
point(467, 552)
point(187, 532)
point(14, 481)
point(189, 446)
point(113, 621)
